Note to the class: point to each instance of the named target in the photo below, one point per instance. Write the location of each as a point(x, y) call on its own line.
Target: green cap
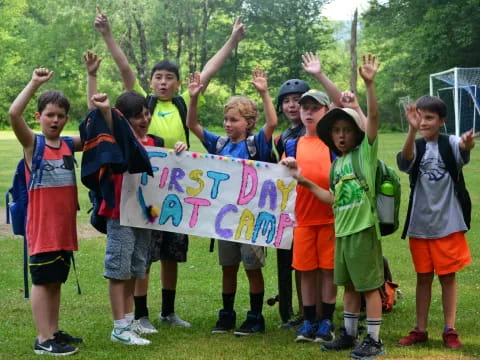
point(317, 95)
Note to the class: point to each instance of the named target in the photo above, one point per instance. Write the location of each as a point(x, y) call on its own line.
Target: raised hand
point(349, 100)
point(260, 80)
point(311, 63)
point(238, 31)
point(92, 62)
point(467, 140)
point(369, 68)
point(101, 22)
point(41, 75)
point(194, 85)
point(412, 116)
point(101, 101)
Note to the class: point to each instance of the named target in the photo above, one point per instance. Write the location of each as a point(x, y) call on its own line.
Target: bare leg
point(309, 287)
point(45, 304)
point(255, 279)
point(117, 298)
point(449, 298)
point(423, 298)
point(229, 279)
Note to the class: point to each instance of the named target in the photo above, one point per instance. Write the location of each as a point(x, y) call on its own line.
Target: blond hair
point(245, 107)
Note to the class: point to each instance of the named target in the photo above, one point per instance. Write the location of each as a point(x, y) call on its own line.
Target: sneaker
point(173, 320)
point(143, 326)
point(368, 349)
point(325, 332)
point(53, 347)
point(451, 340)
point(343, 342)
point(414, 337)
point(306, 333)
point(62, 336)
point(294, 323)
point(226, 322)
point(253, 324)
point(128, 337)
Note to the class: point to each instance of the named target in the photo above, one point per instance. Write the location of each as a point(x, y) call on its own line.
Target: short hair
point(53, 97)
point(433, 104)
point(245, 107)
point(166, 65)
point(131, 104)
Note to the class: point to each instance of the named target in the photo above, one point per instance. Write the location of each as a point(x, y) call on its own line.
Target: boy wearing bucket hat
point(358, 252)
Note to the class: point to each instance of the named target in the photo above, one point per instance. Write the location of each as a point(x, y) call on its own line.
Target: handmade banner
point(212, 196)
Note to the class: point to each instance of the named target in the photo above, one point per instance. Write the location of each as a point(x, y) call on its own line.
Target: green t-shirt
point(166, 121)
point(352, 207)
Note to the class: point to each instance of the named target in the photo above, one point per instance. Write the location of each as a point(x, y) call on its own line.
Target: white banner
point(212, 196)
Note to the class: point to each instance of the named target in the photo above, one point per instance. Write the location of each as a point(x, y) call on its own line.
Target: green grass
point(88, 315)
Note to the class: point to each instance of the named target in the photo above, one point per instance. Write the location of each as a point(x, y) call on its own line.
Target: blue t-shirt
point(239, 149)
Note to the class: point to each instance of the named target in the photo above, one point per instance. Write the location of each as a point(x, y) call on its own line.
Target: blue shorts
point(126, 254)
point(50, 267)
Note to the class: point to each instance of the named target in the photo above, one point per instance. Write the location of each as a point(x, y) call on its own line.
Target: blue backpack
point(16, 198)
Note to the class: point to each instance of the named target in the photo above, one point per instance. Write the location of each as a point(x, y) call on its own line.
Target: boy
point(358, 253)
point(168, 121)
point(437, 226)
point(240, 116)
point(52, 207)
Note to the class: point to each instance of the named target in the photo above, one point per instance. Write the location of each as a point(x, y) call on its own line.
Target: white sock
point(120, 324)
point(351, 323)
point(129, 317)
point(373, 328)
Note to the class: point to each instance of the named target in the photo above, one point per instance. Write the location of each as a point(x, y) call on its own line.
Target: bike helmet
point(292, 86)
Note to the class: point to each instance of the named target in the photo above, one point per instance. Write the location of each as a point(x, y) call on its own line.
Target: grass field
point(199, 294)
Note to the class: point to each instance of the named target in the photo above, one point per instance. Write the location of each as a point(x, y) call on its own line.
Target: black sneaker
point(343, 342)
point(226, 321)
point(62, 336)
point(52, 347)
point(368, 349)
point(253, 324)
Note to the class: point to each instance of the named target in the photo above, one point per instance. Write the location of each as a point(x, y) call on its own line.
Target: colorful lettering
point(177, 174)
point(217, 177)
point(195, 175)
point(267, 223)
point(224, 233)
point(196, 202)
point(249, 175)
point(268, 189)
point(171, 208)
point(285, 221)
point(285, 191)
point(247, 220)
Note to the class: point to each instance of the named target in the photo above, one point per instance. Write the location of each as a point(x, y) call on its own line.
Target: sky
point(344, 9)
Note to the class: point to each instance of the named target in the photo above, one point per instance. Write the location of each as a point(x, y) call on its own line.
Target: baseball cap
point(317, 95)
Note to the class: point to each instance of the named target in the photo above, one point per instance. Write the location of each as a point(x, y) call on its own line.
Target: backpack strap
point(291, 147)
point(69, 141)
point(251, 147)
point(157, 140)
point(220, 144)
point(37, 161)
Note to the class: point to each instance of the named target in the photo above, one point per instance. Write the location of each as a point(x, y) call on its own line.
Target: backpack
point(251, 148)
point(180, 104)
point(386, 195)
point(16, 209)
point(448, 158)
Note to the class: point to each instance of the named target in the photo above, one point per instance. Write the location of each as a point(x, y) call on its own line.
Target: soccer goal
point(459, 88)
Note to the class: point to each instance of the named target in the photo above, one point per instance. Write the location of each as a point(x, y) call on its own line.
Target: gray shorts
point(232, 253)
point(168, 246)
point(126, 254)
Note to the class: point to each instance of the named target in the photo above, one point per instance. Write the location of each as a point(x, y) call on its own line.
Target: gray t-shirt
point(436, 211)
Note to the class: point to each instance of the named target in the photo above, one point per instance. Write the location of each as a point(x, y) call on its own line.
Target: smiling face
point(343, 134)
point(311, 112)
point(291, 108)
point(164, 84)
point(140, 123)
point(430, 124)
point(236, 126)
point(52, 119)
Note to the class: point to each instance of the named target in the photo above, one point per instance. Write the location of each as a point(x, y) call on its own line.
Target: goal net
point(459, 88)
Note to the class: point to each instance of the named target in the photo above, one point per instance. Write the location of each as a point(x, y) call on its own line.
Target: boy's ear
point(37, 116)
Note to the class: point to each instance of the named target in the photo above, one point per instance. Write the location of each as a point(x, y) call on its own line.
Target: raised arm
point(349, 100)
point(413, 119)
point(367, 71)
point(312, 65)
point(260, 81)
point(216, 62)
point(195, 86)
point(102, 25)
point(92, 63)
point(102, 103)
point(24, 134)
point(467, 140)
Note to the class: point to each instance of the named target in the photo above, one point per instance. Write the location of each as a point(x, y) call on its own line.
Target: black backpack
point(448, 158)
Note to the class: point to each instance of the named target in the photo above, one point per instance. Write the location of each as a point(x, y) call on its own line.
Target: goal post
point(459, 88)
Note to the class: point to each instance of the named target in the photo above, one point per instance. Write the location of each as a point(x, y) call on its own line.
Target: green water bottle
point(387, 188)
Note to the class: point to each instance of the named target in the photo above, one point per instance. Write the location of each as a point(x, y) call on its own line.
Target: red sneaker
point(451, 340)
point(414, 337)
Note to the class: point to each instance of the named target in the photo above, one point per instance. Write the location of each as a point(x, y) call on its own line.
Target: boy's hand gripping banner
point(212, 196)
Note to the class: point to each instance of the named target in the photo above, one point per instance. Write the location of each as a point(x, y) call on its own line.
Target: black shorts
point(50, 267)
point(168, 246)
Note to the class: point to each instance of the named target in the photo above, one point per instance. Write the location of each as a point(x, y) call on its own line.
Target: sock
point(327, 311)
point(168, 302)
point(351, 323)
point(446, 328)
point(256, 302)
point(141, 309)
point(120, 324)
point(228, 301)
point(309, 313)
point(373, 327)
point(129, 317)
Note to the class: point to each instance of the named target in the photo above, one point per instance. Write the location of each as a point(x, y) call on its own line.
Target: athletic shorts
point(314, 247)
point(50, 267)
point(168, 246)
point(126, 254)
point(232, 253)
point(359, 261)
point(444, 255)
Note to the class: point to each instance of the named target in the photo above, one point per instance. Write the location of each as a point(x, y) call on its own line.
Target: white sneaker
point(143, 326)
point(173, 320)
point(128, 337)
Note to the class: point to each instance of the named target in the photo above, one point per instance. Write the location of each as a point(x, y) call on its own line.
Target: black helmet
point(292, 86)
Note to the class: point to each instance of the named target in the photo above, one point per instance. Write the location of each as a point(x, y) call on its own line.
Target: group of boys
point(336, 240)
